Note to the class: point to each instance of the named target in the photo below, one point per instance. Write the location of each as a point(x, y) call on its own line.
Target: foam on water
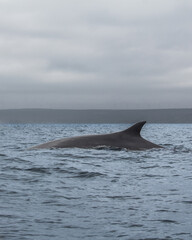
point(95, 193)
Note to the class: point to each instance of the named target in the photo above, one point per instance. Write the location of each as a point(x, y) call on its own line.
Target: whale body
point(129, 139)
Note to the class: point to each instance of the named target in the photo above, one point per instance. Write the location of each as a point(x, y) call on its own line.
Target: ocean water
point(95, 194)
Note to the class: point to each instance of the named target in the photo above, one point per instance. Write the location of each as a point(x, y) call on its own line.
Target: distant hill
point(95, 116)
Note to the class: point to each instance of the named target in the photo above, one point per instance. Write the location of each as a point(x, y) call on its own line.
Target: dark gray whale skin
point(129, 139)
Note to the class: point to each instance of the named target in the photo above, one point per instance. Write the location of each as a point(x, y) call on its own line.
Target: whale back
point(129, 139)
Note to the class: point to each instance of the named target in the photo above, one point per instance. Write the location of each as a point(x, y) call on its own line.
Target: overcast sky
point(87, 54)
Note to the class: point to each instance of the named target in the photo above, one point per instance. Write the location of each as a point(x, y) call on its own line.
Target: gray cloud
point(95, 54)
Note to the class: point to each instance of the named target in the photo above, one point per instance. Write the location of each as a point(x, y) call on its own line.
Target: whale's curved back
point(129, 139)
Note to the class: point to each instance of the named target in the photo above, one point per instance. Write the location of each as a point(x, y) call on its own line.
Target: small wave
point(162, 210)
point(86, 174)
point(71, 226)
point(122, 235)
point(167, 145)
point(152, 166)
point(182, 233)
point(187, 202)
point(71, 198)
point(124, 197)
point(2, 155)
point(166, 221)
point(135, 225)
point(8, 168)
point(15, 159)
point(70, 170)
point(166, 210)
point(167, 238)
point(47, 221)
point(7, 216)
point(181, 149)
point(153, 176)
point(38, 170)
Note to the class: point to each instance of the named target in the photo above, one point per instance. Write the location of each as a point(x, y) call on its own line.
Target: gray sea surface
point(95, 194)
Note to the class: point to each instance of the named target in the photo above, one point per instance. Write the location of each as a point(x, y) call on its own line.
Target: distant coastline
point(95, 116)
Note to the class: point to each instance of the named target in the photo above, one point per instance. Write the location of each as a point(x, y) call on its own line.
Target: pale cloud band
point(95, 54)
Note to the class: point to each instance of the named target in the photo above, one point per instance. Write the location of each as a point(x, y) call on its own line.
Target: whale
point(129, 139)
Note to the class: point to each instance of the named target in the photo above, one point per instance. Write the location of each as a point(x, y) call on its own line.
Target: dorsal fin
point(135, 129)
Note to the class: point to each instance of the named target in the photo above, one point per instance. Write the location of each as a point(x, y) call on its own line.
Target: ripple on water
point(95, 193)
point(86, 174)
point(39, 170)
